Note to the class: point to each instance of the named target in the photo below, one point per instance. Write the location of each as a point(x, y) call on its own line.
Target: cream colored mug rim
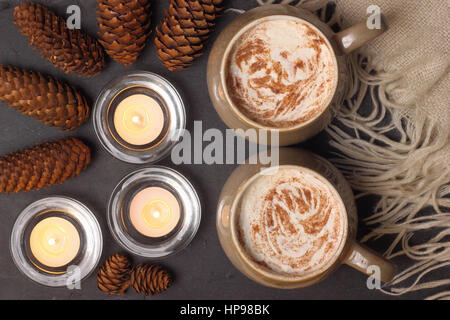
point(271, 275)
point(224, 63)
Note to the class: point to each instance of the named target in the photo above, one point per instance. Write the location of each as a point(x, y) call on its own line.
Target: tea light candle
point(155, 212)
point(139, 119)
point(54, 242)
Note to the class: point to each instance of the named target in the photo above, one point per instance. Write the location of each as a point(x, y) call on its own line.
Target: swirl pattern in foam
point(291, 222)
point(281, 73)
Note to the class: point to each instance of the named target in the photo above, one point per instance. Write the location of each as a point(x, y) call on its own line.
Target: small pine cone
point(44, 165)
point(150, 279)
point(44, 98)
point(124, 28)
point(114, 276)
point(69, 50)
point(186, 26)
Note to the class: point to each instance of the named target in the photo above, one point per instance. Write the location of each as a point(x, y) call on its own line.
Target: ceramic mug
point(341, 43)
point(349, 252)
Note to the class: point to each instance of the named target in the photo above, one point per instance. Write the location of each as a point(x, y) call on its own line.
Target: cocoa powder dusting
point(300, 64)
point(272, 83)
point(258, 65)
point(290, 209)
point(253, 48)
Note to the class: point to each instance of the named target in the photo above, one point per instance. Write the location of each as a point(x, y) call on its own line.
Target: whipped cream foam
point(281, 73)
point(291, 222)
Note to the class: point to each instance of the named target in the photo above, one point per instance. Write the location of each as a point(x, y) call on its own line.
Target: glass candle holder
point(139, 117)
point(154, 212)
point(56, 240)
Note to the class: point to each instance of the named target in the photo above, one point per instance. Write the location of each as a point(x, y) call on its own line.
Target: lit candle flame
point(136, 119)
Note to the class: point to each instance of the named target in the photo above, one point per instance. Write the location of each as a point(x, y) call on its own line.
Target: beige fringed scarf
point(401, 150)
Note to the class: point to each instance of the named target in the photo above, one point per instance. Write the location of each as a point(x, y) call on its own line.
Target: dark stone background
point(202, 270)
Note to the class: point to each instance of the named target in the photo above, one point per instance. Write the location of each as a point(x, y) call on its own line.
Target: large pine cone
point(114, 276)
point(44, 98)
point(181, 37)
point(69, 50)
point(44, 165)
point(150, 279)
point(124, 28)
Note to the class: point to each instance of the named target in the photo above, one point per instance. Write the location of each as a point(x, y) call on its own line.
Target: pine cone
point(44, 98)
point(69, 50)
point(44, 165)
point(114, 276)
point(150, 279)
point(124, 28)
point(181, 37)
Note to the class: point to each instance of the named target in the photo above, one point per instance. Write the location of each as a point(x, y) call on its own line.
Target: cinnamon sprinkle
point(282, 206)
point(266, 74)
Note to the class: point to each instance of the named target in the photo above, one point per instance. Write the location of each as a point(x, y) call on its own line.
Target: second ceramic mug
point(340, 43)
point(348, 252)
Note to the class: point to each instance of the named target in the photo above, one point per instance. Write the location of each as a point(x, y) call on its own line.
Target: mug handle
point(364, 259)
point(353, 38)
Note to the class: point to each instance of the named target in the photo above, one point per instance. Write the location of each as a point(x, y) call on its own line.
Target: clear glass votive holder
point(119, 208)
point(163, 93)
point(90, 241)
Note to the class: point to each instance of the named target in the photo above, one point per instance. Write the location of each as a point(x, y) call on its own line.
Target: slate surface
point(202, 270)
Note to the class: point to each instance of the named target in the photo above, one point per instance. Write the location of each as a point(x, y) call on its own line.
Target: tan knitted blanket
point(401, 150)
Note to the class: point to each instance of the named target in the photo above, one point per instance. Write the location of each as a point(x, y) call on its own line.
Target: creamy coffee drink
point(281, 72)
point(291, 222)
